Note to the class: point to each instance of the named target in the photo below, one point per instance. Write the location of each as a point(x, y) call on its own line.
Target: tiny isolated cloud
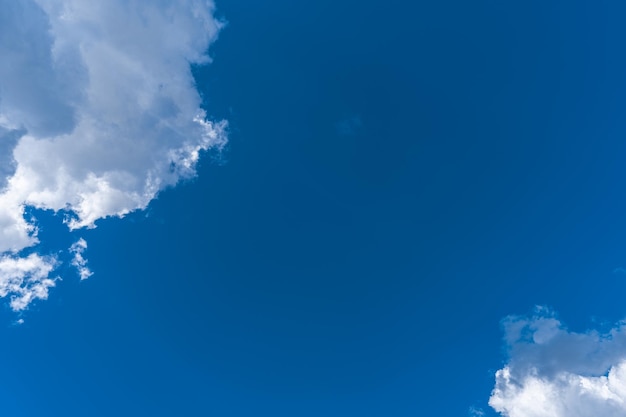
point(99, 111)
point(349, 126)
point(554, 372)
point(476, 412)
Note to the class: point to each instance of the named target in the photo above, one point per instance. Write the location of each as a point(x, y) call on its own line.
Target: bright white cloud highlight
point(98, 108)
point(553, 372)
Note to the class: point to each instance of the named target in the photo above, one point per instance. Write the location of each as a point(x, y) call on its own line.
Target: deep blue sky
point(400, 176)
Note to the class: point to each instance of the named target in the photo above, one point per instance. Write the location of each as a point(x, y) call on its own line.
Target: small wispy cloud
point(350, 126)
point(476, 412)
point(79, 261)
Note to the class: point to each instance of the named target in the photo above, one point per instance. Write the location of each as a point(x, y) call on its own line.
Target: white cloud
point(25, 279)
point(79, 261)
point(98, 107)
point(476, 412)
point(553, 372)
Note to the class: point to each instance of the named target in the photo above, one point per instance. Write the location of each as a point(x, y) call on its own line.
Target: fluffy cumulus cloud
point(554, 372)
point(98, 113)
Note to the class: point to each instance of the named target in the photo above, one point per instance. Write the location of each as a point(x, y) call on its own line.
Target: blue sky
point(406, 200)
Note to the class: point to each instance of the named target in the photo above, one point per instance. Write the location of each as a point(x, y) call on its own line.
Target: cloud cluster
point(98, 112)
point(553, 372)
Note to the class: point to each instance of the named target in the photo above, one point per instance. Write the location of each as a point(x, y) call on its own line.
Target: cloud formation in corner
point(553, 372)
point(98, 113)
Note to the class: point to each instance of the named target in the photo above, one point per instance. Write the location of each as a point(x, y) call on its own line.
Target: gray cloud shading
point(8, 141)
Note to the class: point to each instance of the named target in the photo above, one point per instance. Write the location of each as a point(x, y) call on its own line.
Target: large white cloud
point(553, 372)
point(98, 108)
